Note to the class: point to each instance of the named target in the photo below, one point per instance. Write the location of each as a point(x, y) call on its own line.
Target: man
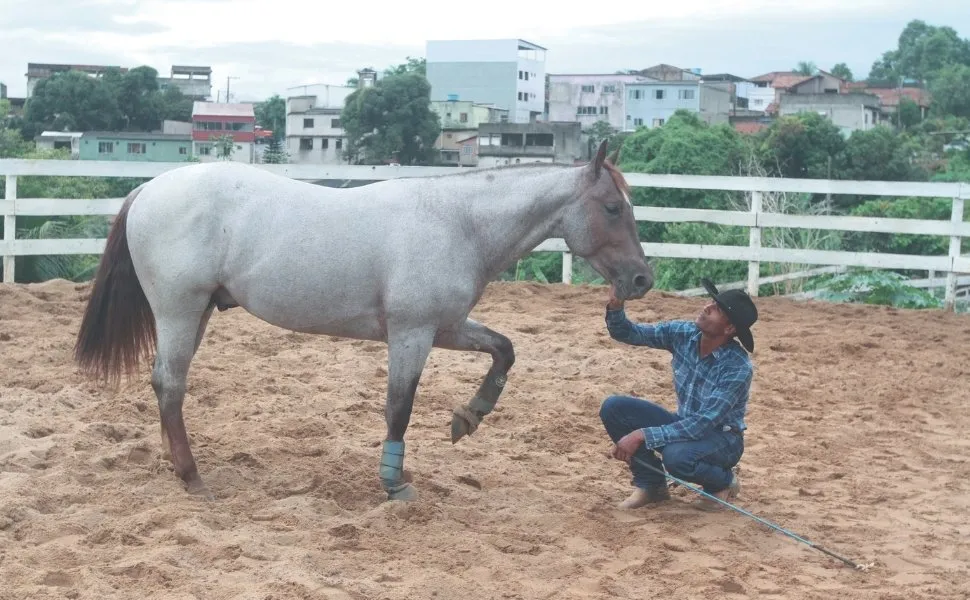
point(712, 378)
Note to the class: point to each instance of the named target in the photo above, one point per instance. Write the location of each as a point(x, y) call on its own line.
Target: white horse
point(402, 261)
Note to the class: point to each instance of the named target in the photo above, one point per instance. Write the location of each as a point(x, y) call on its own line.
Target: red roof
point(782, 79)
point(892, 96)
point(750, 127)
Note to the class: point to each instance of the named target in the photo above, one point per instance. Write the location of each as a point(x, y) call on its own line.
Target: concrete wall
point(164, 148)
point(570, 98)
point(849, 112)
point(530, 142)
point(314, 134)
point(644, 108)
point(715, 104)
point(495, 72)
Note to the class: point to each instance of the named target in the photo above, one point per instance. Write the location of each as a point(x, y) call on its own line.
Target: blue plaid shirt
point(711, 392)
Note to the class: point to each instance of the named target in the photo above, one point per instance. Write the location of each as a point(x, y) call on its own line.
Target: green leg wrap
point(392, 466)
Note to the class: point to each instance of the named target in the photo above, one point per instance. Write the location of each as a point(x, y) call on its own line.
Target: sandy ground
point(286, 429)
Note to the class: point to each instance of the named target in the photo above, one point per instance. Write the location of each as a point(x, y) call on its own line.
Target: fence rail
point(755, 219)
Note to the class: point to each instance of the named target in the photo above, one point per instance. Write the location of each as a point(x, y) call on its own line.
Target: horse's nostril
point(640, 281)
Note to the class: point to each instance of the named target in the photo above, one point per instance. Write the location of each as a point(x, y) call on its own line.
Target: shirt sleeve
point(732, 387)
point(661, 335)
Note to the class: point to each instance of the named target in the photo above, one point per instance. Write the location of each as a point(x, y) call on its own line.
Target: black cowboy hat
point(739, 308)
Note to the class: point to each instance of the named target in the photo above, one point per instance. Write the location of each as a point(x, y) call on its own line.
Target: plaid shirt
point(711, 392)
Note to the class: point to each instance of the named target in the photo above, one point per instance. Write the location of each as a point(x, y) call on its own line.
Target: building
point(136, 146)
point(651, 104)
point(193, 82)
point(460, 120)
point(507, 73)
point(665, 72)
point(544, 141)
point(739, 88)
point(589, 98)
point(212, 120)
point(313, 131)
point(769, 87)
point(849, 112)
point(890, 98)
point(59, 140)
point(40, 71)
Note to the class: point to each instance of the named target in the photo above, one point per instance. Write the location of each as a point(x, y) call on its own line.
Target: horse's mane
point(614, 172)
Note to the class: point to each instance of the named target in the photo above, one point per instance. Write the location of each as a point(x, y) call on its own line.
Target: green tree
point(224, 146)
point(271, 114)
point(412, 65)
point(391, 120)
point(921, 52)
point(802, 146)
point(908, 113)
point(72, 101)
point(950, 90)
point(842, 70)
point(275, 154)
point(805, 68)
point(879, 154)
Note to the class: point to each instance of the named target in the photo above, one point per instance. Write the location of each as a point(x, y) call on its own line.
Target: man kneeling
point(712, 378)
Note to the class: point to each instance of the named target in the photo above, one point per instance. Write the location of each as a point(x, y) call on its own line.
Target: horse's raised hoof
point(405, 493)
point(463, 422)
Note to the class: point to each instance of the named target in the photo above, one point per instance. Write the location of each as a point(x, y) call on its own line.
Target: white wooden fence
point(755, 219)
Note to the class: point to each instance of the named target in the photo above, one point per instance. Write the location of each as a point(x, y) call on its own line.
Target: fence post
point(754, 242)
point(10, 227)
point(956, 216)
point(567, 267)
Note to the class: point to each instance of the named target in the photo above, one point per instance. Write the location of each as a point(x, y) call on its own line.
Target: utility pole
point(227, 86)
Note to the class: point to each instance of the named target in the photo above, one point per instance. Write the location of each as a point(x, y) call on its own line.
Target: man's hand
point(613, 303)
point(628, 445)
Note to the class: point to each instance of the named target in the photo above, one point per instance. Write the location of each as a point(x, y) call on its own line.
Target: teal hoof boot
point(404, 492)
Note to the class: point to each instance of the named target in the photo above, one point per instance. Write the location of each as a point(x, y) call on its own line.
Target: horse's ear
point(596, 165)
point(615, 157)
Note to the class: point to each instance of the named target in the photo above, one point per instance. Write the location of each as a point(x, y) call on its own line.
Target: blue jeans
point(706, 462)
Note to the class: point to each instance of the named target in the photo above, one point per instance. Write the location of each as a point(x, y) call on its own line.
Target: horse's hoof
point(406, 493)
point(199, 489)
point(461, 425)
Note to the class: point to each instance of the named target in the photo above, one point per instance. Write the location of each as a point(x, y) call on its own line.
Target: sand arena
point(286, 430)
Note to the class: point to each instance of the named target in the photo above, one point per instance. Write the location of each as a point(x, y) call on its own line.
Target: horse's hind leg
point(166, 446)
point(474, 336)
point(179, 332)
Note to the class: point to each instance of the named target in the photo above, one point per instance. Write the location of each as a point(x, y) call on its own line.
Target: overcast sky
point(271, 46)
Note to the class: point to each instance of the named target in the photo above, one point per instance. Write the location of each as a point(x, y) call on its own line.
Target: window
point(325, 143)
point(604, 110)
point(307, 123)
point(463, 117)
point(106, 147)
point(339, 144)
point(636, 94)
point(658, 122)
point(539, 139)
point(609, 89)
point(637, 122)
point(306, 143)
point(589, 89)
point(136, 148)
point(685, 94)
point(586, 110)
point(658, 94)
point(183, 150)
point(335, 123)
point(205, 149)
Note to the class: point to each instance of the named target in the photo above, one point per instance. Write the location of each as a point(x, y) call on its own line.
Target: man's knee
point(611, 407)
point(679, 460)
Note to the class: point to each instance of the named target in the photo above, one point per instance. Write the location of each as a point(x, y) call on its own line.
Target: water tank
point(452, 97)
point(696, 71)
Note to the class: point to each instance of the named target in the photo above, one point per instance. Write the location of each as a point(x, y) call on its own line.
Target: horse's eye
point(613, 209)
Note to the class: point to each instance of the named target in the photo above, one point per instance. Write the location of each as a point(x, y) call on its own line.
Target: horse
point(401, 261)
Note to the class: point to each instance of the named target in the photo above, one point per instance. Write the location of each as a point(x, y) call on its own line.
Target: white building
point(508, 74)
point(589, 98)
point(313, 131)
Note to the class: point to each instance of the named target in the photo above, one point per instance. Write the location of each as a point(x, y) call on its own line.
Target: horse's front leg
point(407, 354)
point(474, 336)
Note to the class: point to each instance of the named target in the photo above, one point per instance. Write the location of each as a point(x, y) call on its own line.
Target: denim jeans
point(706, 462)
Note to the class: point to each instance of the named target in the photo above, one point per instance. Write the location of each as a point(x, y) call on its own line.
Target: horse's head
point(599, 227)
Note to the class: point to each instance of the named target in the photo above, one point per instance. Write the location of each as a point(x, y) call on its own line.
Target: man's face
point(712, 320)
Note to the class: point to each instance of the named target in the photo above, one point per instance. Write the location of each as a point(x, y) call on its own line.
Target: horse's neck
point(508, 224)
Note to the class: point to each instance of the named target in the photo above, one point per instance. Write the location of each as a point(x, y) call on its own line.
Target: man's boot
point(642, 497)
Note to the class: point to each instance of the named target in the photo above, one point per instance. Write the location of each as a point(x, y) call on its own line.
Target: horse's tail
point(118, 325)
